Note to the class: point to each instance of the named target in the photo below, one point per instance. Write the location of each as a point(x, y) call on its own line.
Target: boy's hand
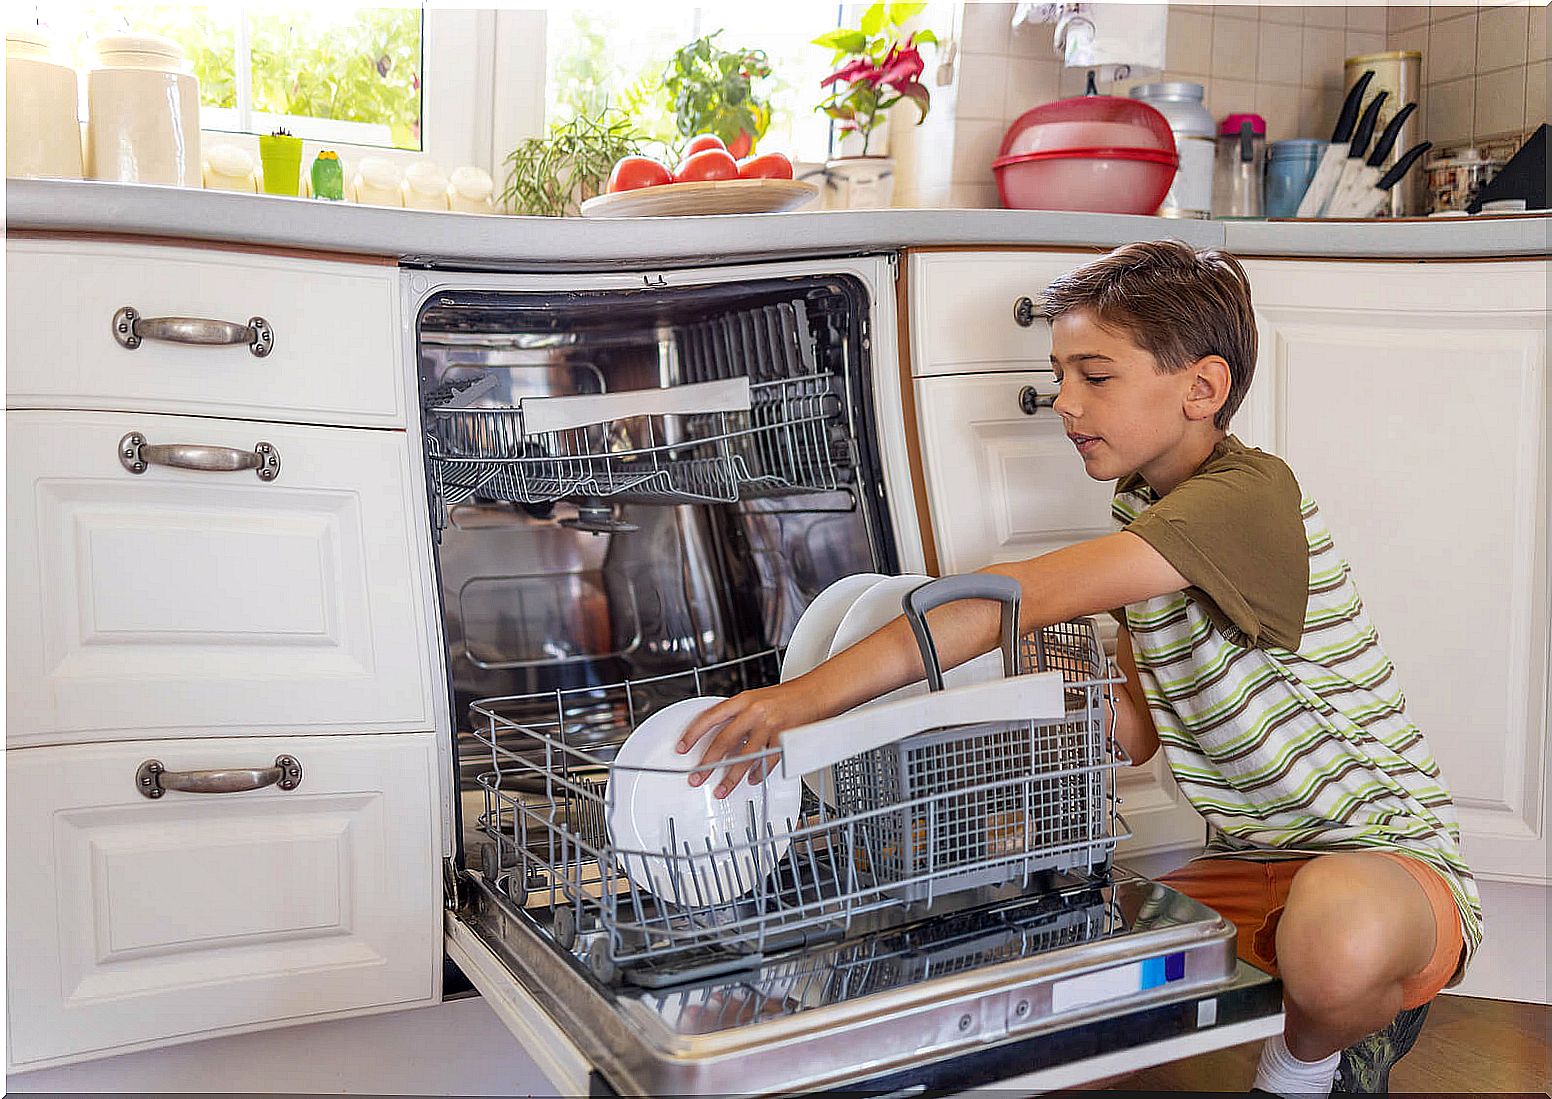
point(747, 723)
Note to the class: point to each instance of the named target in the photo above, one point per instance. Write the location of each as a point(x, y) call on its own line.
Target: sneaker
point(1366, 1064)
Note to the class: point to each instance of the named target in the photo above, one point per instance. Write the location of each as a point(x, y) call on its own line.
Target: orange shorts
point(1253, 893)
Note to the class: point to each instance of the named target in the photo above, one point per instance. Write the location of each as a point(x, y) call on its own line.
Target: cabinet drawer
point(1002, 485)
point(334, 358)
point(178, 603)
point(133, 922)
point(962, 309)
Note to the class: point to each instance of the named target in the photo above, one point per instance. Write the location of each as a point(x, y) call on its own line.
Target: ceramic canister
point(42, 132)
point(469, 190)
point(143, 113)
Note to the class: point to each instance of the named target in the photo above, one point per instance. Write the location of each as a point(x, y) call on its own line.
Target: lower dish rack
point(717, 441)
point(987, 784)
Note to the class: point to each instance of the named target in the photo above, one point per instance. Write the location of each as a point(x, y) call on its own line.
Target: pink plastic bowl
point(1105, 181)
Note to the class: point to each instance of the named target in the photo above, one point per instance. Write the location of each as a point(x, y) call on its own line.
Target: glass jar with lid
point(1180, 102)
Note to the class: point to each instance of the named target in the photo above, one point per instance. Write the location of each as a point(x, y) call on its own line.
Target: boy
point(1247, 656)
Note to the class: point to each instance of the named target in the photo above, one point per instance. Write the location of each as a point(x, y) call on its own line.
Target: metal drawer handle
point(131, 330)
point(136, 455)
point(153, 780)
point(1024, 312)
point(1030, 401)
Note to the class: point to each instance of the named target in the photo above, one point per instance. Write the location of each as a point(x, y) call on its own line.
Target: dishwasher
point(635, 483)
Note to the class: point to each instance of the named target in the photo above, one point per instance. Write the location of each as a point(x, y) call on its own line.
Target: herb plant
point(553, 175)
point(713, 93)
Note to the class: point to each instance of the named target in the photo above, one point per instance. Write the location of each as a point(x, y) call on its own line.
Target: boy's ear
point(1209, 388)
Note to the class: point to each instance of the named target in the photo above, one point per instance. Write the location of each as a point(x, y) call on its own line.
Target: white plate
point(811, 637)
point(642, 802)
point(718, 196)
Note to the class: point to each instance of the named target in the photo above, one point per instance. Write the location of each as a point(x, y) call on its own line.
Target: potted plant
point(553, 175)
point(878, 64)
point(713, 93)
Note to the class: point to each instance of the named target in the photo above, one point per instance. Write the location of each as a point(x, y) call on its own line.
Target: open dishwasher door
point(635, 484)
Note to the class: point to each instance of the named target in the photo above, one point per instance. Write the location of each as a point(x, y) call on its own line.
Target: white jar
point(425, 186)
point(469, 190)
point(377, 182)
point(42, 132)
point(143, 113)
point(230, 168)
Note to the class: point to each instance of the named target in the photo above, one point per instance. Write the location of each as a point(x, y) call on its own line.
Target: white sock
point(1281, 1073)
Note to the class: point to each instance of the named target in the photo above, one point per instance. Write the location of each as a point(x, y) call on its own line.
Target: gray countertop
point(521, 243)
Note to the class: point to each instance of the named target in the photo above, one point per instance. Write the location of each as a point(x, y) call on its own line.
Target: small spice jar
point(142, 113)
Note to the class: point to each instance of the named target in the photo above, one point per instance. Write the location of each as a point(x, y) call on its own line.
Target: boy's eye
point(1098, 379)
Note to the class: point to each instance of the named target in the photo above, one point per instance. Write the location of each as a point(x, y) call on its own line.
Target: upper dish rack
point(713, 441)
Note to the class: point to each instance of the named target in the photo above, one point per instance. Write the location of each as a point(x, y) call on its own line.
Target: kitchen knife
point(1379, 194)
point(1358, 149)
point(1357, 188)
point(1331, 160)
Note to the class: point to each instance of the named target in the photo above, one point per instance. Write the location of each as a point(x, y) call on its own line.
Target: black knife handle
point(1387, 139)
point(1350, 105)
point(1365, 130)
point(1399, 169)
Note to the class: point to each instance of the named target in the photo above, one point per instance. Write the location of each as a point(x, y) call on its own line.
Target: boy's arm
point(1087, 578)
point(1134, 729)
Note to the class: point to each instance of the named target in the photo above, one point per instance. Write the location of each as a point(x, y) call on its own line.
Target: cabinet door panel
point(134, 922)
point(335, 329)
point(1005, 486)
point(180, 602)
point(1418, 423)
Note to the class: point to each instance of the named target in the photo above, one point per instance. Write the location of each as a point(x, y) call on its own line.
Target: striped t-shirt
point(1277, 708)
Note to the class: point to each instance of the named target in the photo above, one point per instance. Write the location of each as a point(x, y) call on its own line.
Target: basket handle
point(1038, 697)
point(950, 589)
point(542, 415)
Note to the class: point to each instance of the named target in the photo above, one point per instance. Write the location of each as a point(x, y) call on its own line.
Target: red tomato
point(765, 166)
point(701, 142)
point(708, 165)
point(742, 144)
point(631, 172)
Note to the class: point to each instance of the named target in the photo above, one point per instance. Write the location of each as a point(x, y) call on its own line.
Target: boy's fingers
point(726, 743)
point(732, 777)
point(705, 722)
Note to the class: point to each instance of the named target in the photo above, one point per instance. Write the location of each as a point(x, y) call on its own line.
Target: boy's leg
point(1356, 928)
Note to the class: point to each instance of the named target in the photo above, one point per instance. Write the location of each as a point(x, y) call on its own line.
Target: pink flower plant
point(881, 70)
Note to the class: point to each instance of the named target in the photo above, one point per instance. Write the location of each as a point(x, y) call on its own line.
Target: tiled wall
point(1484, 68)
point(1283, 62)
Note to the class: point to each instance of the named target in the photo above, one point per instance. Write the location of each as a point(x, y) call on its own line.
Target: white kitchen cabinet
point(133, 922)
point(962, 307)
point(178, 602)
point(1412, 403)
point(334, 329)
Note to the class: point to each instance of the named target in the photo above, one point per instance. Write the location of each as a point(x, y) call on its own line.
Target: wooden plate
point(723, 196)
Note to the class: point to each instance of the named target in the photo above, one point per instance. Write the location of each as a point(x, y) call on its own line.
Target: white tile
point(973, 196)
point(1034, 41)
point(1316, 118)
point(1502, 34)
point(1323, 51)
point(1443, 13)
point(1282, 13)
point(983, 81)
point(1367, 17)
point(1281, 54)
point(1325, 15)
point(1072, 82)
point(1279, 105)
point(1500, 106)
point(1414, 38)
point(1359, 43)
point(1231, 97)
point(1450, 108)
point(1404, 18)
point(1537, 107)
point(1236, 11)
point(1188, 45)
point(1536, 40)
point(1030, 83)
point(1234, 46)
point(1452, 48)
point(987, 28)
point(975, 147)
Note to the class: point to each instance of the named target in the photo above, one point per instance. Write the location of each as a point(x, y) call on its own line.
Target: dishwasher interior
point(635, 493)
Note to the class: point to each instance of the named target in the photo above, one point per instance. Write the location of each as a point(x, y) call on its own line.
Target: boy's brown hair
point(1175, 302)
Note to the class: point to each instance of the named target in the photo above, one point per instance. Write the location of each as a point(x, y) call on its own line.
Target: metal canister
point(1395, 72)
point(1180, 102)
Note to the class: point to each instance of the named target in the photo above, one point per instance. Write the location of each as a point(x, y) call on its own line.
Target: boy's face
point(1120, 411)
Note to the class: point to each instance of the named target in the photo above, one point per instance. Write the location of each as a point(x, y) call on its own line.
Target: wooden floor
point(1468, 1046)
